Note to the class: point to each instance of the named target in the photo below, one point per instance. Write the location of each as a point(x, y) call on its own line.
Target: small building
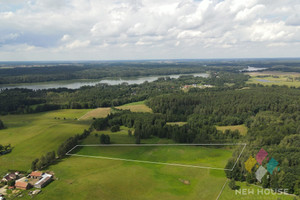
point(22, 185)
point(35, 192)
point(45, 180)
point(36, 175)
point(9, 177)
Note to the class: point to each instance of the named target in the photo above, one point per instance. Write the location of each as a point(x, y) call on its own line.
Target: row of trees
point(50, 158)
point(44, 161)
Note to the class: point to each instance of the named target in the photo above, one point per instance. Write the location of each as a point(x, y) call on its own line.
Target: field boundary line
point(152, 162)
point(222, 190)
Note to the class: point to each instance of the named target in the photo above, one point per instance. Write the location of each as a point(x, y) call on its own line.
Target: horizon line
point(141, 60)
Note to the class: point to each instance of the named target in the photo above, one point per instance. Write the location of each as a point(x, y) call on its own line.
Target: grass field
point(93, 178)
point(190, 155)
point(136, 107)
point(274, 78)
point(103, 112)
point(84, 178)
point(90, 178)
point(95, 113)
point(242, 128)
point(33, 135)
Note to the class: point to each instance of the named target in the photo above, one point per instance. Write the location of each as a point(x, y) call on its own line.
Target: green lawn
point(190, 155)
point(241, 128)
point(138, 106)
point(33, 135)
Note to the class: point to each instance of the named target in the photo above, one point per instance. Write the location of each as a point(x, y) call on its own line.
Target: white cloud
point(78, 44)
point(149, 28)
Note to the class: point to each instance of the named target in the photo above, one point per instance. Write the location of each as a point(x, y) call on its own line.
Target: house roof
point(45, 178)
point(36, 173)
point(10, 176)
point(21, 184)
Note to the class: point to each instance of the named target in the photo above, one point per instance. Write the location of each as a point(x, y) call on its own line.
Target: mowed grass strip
point(241, 128)
point(186, 155)
point(33, 135)
point(95, 113)
point(136, 107)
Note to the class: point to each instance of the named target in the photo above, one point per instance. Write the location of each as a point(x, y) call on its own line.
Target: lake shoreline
point(77, 83)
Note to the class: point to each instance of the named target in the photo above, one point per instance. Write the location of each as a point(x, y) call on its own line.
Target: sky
point(38, 30)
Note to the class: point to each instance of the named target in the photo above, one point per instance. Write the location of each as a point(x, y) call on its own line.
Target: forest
point(103, 95)
point(30, 72)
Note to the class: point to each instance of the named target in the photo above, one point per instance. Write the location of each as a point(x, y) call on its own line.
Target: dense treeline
point(52, 72)
point(94, 71)
point(41, 72)
point(272, 115)
point(227, 107)
point(147, 125)
point(278, 134)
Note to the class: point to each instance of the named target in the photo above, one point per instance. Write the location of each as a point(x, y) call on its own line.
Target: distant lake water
point(75, 84)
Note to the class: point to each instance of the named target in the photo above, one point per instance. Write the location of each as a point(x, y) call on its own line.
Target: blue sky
point(148, 29)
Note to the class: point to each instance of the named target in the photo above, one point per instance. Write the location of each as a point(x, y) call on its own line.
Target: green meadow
point(241, 128)
point(91, 178)
point(289, 79)
point(189, 155)
point(33, 135)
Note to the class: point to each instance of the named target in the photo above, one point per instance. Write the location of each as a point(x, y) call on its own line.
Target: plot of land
point(241, 128)
point(33, 135)
point(136, 107)
point(103, 112)
point(275, 78)
point(82, 178)
point(193, 156)
point(96, 113)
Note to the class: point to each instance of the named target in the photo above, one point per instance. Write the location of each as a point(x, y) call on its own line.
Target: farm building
point(36, 175)
point(22, 185)
point(45, 180)
point(9, 177)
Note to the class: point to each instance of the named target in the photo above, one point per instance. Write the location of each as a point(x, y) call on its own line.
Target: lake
point(75, 84)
